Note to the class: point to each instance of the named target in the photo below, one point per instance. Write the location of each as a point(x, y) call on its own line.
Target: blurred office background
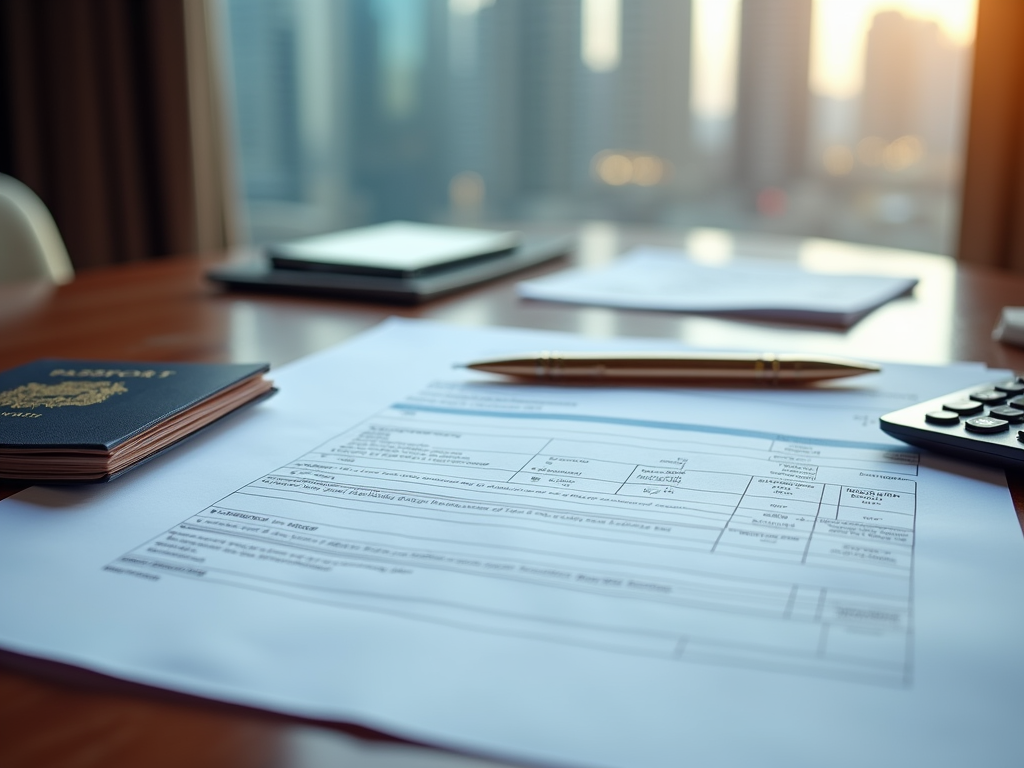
point(831, 118)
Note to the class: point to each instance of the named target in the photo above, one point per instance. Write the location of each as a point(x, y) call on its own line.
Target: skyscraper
point(652, 104)
point(634, 112)
point(549, 51)
point(397, 68)
point(773, 97)
point(484, 105)
point(913, 77)
point(263, 47)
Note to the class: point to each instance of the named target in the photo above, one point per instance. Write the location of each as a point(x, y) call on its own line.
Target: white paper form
point(666, 279)
point(575, 576)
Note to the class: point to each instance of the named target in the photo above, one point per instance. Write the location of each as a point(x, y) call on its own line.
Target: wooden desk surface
point(165, 311)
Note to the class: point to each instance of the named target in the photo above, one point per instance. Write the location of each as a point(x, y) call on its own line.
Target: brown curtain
point(992, 218)
point(110, 111)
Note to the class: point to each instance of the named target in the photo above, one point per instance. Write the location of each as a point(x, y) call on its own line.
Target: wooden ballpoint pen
point(674, 367)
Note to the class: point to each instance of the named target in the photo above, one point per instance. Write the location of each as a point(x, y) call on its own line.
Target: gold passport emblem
point(35, 395)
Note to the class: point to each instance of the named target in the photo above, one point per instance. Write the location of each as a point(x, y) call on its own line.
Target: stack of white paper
point(665, 279)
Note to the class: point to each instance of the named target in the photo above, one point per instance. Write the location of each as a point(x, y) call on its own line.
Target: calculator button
point(1017, 402)
point(1011, 387)
point(989, 397)
point(1012, 415)
point(944, 418)
point(963, 407)
point(986, 425)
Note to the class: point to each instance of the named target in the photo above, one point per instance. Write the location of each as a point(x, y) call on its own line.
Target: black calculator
point(983, 423)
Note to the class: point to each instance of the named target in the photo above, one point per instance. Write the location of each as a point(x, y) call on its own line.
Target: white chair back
point(30, 245)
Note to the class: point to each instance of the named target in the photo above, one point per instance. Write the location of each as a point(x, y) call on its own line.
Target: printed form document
point(578, 576)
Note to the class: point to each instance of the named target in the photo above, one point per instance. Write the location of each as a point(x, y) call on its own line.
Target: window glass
point(830, 118)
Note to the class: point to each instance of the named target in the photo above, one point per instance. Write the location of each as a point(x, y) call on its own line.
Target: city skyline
point(476, 110)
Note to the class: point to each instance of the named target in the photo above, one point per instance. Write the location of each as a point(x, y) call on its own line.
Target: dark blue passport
point(89, 421)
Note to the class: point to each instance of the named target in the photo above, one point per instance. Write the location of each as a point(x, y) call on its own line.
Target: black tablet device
point(399, 289)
